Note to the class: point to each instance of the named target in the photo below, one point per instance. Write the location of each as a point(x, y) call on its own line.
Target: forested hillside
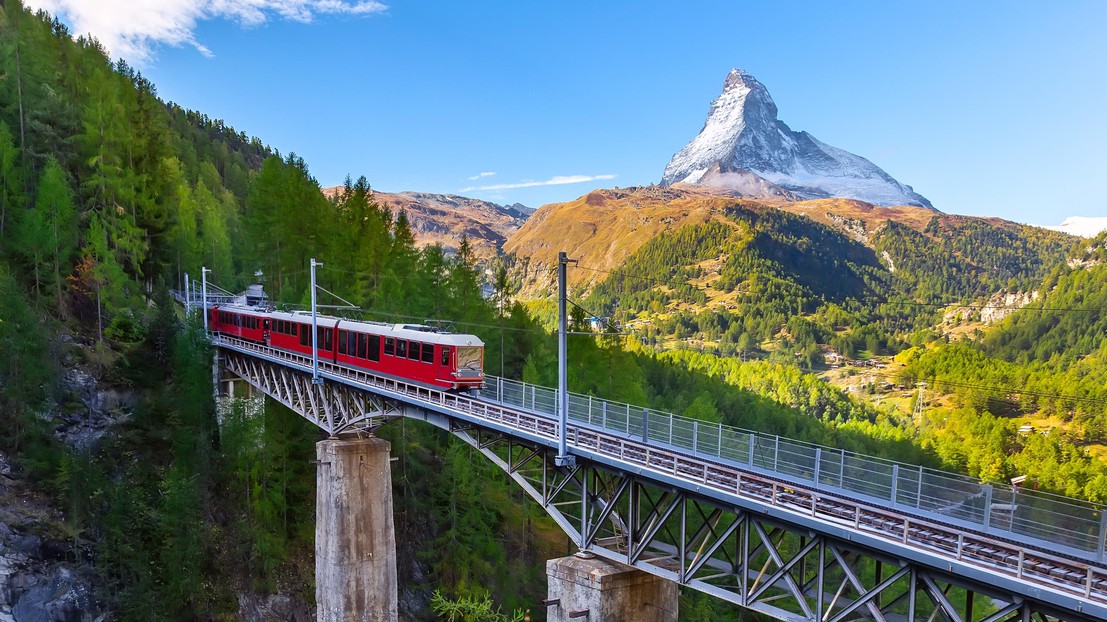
point(762, 275)
point(107, 196)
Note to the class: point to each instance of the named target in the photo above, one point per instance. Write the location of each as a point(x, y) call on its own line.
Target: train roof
point(304, 317)
point(256, 311)
point(415, 332)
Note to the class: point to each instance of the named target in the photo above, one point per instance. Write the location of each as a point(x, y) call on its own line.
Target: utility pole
point(563, 458)
point(920, 404)
point(204, 293)
point(315, 379)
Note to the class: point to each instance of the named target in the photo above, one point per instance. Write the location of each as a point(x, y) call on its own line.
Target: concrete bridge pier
point(355, 544)
point(585, 588)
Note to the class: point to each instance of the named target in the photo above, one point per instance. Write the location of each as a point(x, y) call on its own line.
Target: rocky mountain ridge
point(745, 147)
point(444, 218)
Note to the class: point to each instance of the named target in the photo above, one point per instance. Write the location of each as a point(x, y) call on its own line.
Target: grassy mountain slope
point(603, 227)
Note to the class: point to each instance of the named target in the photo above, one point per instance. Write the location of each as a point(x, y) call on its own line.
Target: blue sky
point(990, 108)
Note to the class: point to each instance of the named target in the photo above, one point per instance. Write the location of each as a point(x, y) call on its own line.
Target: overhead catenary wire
point(934, 379)
point(937, 305)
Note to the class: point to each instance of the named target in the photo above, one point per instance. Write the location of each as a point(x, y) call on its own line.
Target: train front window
point(469, 358)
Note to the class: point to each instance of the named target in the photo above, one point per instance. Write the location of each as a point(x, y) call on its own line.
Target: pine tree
point(54, 204)
point(12, 198)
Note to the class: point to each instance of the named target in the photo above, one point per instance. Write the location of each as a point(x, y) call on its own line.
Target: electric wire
point(998, 390)
point(936, 305)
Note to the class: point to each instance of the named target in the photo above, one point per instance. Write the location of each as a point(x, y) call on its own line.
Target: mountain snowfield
point(743, 146)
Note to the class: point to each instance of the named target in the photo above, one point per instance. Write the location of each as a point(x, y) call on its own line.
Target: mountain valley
point(771, 282)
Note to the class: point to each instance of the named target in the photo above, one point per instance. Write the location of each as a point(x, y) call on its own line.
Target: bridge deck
point(1016, 541)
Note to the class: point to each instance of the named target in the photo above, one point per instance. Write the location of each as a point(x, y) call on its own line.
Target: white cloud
point(132, 29)
point(1083, 226)
point(480, 176)
point(557, 180)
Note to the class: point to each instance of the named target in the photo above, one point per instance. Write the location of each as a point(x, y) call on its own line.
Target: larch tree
point(11, 181)
point(54, 204)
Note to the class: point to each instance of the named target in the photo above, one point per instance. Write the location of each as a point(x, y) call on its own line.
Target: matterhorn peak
point(745, 147)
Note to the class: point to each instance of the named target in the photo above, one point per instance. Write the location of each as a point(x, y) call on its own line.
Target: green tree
point(48, 233)
point(11, 181)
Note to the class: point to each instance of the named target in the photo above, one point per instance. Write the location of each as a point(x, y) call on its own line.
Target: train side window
point(305, 337)
point(413, 350)
point(361, 346)
point(401, 348)
point(389, 346)
point(446, 356)
point(374, 348)
point(326, 339)
point(428, 353)
point(342, 337)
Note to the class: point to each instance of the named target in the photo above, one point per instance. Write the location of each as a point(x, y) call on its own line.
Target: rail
point(651, 444)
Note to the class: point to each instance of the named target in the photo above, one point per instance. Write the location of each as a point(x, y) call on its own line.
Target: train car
point(412, 352)
point(244, 322)
point(292, 332)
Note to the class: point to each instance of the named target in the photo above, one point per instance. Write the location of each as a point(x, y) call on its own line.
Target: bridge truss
point(764, 543)
point(739, 554)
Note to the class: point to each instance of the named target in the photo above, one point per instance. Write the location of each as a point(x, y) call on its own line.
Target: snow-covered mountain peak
point(742, 134)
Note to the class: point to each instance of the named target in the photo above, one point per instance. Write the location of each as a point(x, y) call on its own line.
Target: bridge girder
point(740, 555)
point(336, 408)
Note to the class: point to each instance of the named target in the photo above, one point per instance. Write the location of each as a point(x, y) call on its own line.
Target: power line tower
point(920, 405)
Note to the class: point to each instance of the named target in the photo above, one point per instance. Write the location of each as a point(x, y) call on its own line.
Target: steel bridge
point(794, 531)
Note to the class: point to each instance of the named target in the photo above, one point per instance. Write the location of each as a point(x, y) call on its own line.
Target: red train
point(412, 352)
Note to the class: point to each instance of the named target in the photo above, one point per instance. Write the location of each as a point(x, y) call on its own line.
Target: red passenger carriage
point(412, 352)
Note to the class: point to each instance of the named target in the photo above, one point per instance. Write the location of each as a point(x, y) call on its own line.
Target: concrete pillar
point(607, 591)
point(355, 544)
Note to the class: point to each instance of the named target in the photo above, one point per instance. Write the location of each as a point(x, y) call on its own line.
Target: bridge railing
point(995, 508)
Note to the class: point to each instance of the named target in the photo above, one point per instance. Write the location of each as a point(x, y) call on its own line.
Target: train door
point(444, 364)
point(265, 331)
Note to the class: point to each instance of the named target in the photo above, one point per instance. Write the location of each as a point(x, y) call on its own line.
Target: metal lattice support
point(738, 555)
point(332, 406)
point(786, 549)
